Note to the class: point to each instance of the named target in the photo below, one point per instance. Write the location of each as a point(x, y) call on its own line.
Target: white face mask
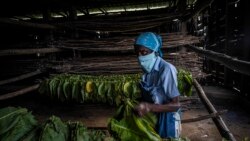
point(147, 62)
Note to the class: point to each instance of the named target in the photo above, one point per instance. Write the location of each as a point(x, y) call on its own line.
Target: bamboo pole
point(230, 62)
point(19, 92)
point(223, 129)
point(9, 52)
point(21, 77)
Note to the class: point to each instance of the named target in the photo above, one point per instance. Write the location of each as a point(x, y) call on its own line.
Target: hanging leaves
point(95, 89)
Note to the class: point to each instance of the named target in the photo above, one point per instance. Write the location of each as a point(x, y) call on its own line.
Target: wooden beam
point(10, 52)
point(19, 92)
point(26, 24)
point(223, 129)
point(21, 77)
point(230, 62)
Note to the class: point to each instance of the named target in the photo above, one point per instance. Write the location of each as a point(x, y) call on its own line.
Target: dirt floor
point(237, 118)
point(96, 116)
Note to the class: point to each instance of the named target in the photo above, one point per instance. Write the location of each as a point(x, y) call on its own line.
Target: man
point(160, 94)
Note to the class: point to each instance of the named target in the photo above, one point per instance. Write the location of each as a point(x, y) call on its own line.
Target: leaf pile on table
point(17, 124)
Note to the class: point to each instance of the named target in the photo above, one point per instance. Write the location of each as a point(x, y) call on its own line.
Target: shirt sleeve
point(169, 82)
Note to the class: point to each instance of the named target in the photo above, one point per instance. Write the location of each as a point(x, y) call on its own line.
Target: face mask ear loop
point(160, 53)
point(159, 39)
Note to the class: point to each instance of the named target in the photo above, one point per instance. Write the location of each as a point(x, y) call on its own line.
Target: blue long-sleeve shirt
point(160, 87)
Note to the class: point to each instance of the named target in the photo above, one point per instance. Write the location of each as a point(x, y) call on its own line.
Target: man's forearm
point(170, 107)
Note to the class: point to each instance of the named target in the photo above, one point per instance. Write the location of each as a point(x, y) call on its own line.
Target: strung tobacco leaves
point(109, 89)
point(91, 89)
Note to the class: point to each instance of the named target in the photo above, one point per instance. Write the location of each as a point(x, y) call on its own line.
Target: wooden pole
point(21, 77)
point(224, 131)
point(230, 62)
point(19, 92)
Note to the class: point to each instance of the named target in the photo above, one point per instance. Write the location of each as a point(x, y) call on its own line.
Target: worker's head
point(146, 46)
point(148, 41)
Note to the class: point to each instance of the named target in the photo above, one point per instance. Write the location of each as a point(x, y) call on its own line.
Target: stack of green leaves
point(15, 123)
point(54, 130)
point(125, 125)
point(78, 132)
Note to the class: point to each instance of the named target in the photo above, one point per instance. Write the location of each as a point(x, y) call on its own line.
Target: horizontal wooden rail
point(228, 61)
point(20, 77)
point(19, 92)
point(26, 24)
point(212, 115)
point(10, 52)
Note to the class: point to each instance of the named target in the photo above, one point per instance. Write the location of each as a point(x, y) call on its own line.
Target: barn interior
point(209, 38)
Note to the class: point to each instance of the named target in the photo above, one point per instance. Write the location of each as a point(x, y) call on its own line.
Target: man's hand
point(143, 108)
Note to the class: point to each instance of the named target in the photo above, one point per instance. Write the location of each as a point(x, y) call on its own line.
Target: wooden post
point(73, 16)
point(47, 15)
point(224, 131)
point(47, 18)
point(227, 46)
point(73, 13)
point(246, 47)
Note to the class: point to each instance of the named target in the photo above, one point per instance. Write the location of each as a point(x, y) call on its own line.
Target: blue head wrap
point(151, 41)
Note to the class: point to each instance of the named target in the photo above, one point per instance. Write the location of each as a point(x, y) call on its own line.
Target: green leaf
point(33, 135)
point(125, 125)
point(67, 90)
point(60, 94)
point(76, 91)
point(78, 132)
point(54, 130)
point(9, 118)
point(25, 124)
